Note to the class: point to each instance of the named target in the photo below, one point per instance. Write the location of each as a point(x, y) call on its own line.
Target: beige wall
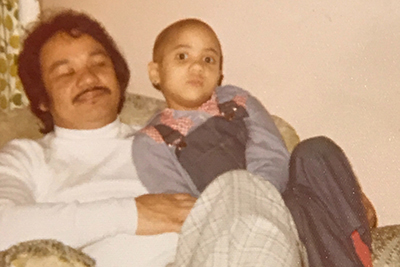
point(328, 67)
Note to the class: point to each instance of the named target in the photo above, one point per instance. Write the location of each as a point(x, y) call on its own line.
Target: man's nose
point(87, 77)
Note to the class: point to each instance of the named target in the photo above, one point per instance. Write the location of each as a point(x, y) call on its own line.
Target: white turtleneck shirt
point(78, 187)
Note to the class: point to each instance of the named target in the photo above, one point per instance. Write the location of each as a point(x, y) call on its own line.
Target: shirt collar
point(110, 130)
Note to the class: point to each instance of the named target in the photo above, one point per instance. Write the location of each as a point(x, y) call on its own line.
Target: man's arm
point(74, 223)
point(77, 224)
point(23, 217)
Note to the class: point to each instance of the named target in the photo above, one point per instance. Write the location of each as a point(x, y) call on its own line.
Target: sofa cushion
point(22, 123)
point(386, 245)
point(137, 110)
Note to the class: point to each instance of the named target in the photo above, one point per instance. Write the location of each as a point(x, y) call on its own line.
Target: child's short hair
point(164, 36)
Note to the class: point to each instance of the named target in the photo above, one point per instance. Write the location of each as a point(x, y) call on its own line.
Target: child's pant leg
point(324, 198)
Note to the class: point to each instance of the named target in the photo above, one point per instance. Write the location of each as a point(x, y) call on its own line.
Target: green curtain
point(11, 92)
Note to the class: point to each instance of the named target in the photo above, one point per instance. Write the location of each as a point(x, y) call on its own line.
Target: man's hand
point(162, 213)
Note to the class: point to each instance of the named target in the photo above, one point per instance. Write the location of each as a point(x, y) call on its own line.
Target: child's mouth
point(195, 82)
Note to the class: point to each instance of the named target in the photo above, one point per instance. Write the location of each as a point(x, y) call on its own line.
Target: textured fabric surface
point(240, 220)
point(324, 198)
point(265, 152)
point(137, 110)
point(21, 123)
point(44, 252)
point(90, 204)
point(386, 246)
point(11, 93)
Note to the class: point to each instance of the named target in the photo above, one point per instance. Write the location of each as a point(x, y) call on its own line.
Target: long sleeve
point(77, 224)
point(158, 167)
point(266, 153)
point(31, 207)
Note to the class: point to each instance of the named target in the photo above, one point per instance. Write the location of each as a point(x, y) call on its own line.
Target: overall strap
point(171, 136)
point(230, 110)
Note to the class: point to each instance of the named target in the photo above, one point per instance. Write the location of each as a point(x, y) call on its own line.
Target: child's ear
point(220, 79)
point(154, 74)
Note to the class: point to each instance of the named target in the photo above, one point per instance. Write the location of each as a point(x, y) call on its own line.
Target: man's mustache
point(95, 88)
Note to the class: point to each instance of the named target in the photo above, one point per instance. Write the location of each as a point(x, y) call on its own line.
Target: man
point(78, 183)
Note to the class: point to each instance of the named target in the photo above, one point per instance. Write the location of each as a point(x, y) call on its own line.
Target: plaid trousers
point(240, 220)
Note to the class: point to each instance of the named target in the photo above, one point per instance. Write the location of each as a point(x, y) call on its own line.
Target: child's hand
point(162, 213)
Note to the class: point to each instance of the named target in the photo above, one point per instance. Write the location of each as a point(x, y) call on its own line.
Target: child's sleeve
point(158, 167)
point(266, 153)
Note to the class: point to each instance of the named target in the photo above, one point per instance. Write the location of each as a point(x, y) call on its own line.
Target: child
point(208, 129)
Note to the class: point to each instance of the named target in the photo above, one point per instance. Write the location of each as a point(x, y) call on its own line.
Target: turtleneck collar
point(111, 130)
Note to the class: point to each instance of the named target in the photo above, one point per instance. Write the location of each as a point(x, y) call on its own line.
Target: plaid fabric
point(152, 132)
point(184, 124)
point(240, 220)
point(240, 100)
point(181, 125)
point(211, 106)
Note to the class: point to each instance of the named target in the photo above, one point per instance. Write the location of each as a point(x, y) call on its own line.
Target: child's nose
point(197, 65)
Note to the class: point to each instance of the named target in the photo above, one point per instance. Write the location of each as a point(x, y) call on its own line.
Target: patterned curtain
point(11, 28)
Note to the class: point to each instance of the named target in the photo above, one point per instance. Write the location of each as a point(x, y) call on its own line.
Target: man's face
point(189, 70)
point(80, 81)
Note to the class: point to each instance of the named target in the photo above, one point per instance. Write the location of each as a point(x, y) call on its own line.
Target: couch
point(21, 123)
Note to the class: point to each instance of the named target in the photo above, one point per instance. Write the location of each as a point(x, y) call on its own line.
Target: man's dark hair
point(75, 24)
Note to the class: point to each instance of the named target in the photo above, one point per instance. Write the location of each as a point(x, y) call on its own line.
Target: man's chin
point(95, 114)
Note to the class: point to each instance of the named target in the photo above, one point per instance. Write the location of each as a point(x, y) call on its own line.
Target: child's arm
point(158, 167)
point(266, 153)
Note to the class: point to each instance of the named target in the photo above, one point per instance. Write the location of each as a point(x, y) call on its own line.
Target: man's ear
point(43, 107)
point(154, 74)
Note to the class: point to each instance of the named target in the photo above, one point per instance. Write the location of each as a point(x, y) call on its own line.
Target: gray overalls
point(215, 147)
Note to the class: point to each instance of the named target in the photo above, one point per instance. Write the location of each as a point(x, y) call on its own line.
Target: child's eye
point(209, 60)
point(182, 56)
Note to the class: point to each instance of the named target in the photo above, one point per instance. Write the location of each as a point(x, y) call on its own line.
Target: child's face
point(190, 69)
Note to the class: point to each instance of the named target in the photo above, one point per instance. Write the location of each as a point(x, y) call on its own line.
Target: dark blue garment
point(213, 148)
point(324, 198)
